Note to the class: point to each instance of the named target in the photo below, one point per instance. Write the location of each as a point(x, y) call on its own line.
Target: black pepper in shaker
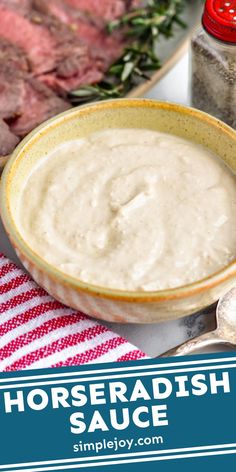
point(213, 61)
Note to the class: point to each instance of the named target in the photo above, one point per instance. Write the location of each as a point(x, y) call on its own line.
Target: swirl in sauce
point(131, 209)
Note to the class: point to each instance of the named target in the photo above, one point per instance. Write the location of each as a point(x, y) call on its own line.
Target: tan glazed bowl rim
point(72, 282)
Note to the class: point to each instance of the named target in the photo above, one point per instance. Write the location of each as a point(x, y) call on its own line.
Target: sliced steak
point(103, 47)
point(28, 32)
point(57, 8)
point(106, 9)
point(12, 55)
point(8, 140)
point(64, 85)
point(13, 67)
point(24, 101)
point(11, 92)
point(39, 104)
point(52, 48)
point(23, 5)
point(76, 68)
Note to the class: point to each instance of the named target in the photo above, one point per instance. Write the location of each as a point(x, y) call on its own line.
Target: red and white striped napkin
point(36, 331)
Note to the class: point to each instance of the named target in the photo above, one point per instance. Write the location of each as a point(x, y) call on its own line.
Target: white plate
point(170, 50)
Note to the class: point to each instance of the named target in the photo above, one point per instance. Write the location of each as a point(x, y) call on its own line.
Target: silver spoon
point(225, 332)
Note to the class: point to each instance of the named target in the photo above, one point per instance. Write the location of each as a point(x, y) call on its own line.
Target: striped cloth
point(36, 331)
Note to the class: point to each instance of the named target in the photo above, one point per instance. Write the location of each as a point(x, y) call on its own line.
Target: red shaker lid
point(219, 19)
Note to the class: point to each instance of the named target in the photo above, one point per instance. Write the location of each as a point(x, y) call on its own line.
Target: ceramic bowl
point(102, 302)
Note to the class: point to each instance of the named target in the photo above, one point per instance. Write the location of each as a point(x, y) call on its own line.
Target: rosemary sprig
point(142, 28)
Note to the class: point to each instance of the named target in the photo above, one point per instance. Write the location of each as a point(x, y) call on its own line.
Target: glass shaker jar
point(213, 61)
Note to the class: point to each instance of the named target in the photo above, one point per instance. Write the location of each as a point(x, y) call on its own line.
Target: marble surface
point(155, 339)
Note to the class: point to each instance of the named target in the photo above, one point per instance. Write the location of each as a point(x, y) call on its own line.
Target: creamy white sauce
point(131, 209)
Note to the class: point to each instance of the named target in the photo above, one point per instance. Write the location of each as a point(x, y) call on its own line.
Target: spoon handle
point(200, 342)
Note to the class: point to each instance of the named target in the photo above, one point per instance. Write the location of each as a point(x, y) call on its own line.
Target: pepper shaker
point(213, 61)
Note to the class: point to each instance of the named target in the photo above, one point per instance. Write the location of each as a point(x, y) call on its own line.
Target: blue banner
point(161, 414)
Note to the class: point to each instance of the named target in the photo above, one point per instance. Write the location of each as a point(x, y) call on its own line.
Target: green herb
point(142, 28)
